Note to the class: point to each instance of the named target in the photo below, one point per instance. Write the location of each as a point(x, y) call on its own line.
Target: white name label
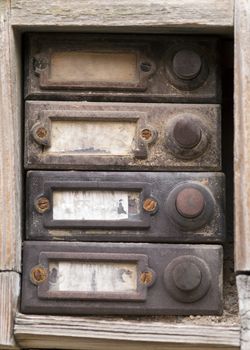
point(94, 67)
point(95, 205)
point(92, 277)
point(101, 138)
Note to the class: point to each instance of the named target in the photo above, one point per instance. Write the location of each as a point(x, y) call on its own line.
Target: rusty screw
point(40, 63)
point(190, 202)
point(187, 64)
point(187, 276)
point(150, 205)
point(42, 204)
point(41, 132)
point(146, 134)
point(146, 66)
point(38, 274)
point(146, 277)
point(187, 133)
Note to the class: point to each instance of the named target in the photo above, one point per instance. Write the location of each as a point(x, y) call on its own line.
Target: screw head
point(41, 132)
point(186, 276)
point(146, 134)
point(146, 66)
point(42, 204)
point(187, 133)
point(190, 202)
point(40, 63)
point(150, 205)
point(187, 64)
point(38, 274)
point(146, 277)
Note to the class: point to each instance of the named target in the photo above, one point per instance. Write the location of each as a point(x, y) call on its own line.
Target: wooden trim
point(107, 333)
point(9, 291)
point(242, 135)
point(10, 150)
point(243, 284)
point(210, 16)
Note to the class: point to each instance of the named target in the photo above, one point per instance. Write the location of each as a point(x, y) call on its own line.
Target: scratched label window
point(93, 67)
point(92, 277)
point(92, 137)
point(95, 205)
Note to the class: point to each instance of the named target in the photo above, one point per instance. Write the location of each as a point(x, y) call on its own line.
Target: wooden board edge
point(210, 16)
point(83, 330)
point(243, 285)
point(9, 296)
point(10, 148)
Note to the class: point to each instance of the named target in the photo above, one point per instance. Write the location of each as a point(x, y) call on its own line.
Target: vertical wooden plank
point(242, 134)
point(9, 291)
point(10, 148)
point(243, 284)
point(242, 163)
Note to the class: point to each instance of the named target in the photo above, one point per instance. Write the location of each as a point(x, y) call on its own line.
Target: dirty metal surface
point(125, 206)
point(112, 278)
point(122, 136)
point(152, 68)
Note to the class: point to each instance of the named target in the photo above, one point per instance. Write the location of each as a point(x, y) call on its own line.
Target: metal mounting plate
point(122, 68)
point(121, 136)
point(112, 278)
point(130, 206)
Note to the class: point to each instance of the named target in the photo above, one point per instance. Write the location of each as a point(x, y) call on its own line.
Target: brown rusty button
point(187, 276)
point(150, 205)
point(187, 133)
point(187, 64)
point(190, 202)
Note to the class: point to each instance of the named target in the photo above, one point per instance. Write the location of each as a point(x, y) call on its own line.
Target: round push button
point(187, 276)
point(190, 202)
point(187, 133)
point(187, 64)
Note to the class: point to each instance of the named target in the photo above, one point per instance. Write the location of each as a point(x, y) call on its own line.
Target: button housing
point(148, 264)
point(122, 206)
point(129, 68)
point(121, 136)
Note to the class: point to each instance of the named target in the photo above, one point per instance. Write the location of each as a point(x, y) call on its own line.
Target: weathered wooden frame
point(193, 16)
